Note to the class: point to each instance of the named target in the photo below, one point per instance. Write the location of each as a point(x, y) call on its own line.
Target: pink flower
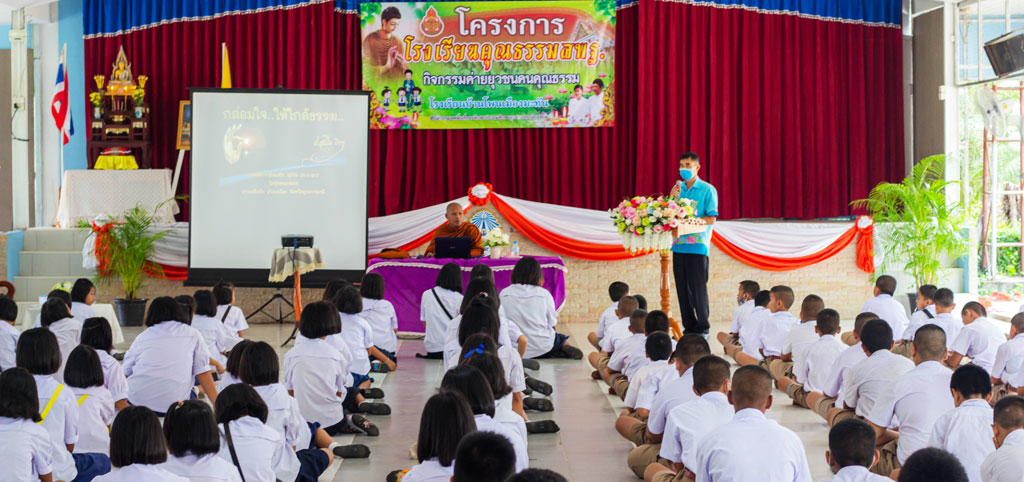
point(602, 74)
point(549, 97)
point(563, 90)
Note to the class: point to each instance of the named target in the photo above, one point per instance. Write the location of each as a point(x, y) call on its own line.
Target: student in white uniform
point(193, 442)
point(966, 431)
point(39, 353)
point(25, 447)
point(8, 333)
point(317, 374)
point(886, 307)
point(165, 358)
point(96, 334)
point(532, 309)
point(632, 424)
point(872, 378)
point(57, 294)
point(800, 337)
point(851, 452)
point(484, 456)
point(615, 331)
point(751, 446)
point(480, 318)
point(438, 307)
point(923, 315)
point(913, 404)
point(746, 342)
point(359, 336)
point(246, 441)
point(828, 403)
point(446, 419)
point(657, 349)
point(138, 448)
point(773, 330)
point(84, 376)
point(745, 299)
point(83, 295)
point(1006, 464)
point(978, 340)
point(218, 337)
point(380, 314)
point(473, 386)
point(479, 353)
point(55, 317)
point(932, 464)
point(482, 287)
point(625, 349)
point(819, 360)
point(1008, 359)
point(233, 365)
point(229, 314)
point(944, 318)
point(691, 421)
point(616, 291)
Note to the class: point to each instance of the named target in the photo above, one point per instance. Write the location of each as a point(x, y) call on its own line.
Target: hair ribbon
point(479, 350)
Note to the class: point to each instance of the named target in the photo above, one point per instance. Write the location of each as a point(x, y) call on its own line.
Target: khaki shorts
point(779, 369)
point(602, 362)
point(638, 434)
point(887, 460)
point(642, 456)
point(823, 406)
point(620, 384)
point(1000, 392)
point(668, 476)
point(906, 349)
point(798, 394)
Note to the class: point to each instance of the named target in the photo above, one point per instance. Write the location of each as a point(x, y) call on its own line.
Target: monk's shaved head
point(452, 206)
point(454, 214)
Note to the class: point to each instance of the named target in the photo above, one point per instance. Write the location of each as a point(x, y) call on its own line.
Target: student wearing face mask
point(690, 251)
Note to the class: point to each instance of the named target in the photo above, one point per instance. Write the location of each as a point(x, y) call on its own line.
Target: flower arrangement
point(495, 237)
point(384, 119)
point(647, 223)
point(96, 99)
point(139, 95)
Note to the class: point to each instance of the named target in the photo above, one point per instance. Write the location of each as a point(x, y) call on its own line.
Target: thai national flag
point(60, 107)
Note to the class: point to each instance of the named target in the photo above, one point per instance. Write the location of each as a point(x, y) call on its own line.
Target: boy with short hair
point(851, 452)
point(1006, 464)
point(924, 314)
point(824, 403)
point(8, 333)
point(1008, 358)
point(484, 457)
point(932, 464)
point(886, 307)
point(967, 429)
point(872, 378)
point(632, 425)
point(747, 340)
point(944, 305)
point(917, 399)
point(616, 291)
point(657, 349)
point(751, 446)
point(819, 360)
point(773, 330)
point(630, 353)
point(615, 330)
point(745, 299)
point(799, 338)
point(978, 340)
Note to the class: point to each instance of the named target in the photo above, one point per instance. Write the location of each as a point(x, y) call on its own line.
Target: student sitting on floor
point(138, 448)
point(84, 375)
point(380, 315)
point(913, 404)
point(660, 374)
point(1006, 464)
point(872, 378)
point(657, 349)
point(479, 353)
point(96, 334)
point(8, 333)
point(801, 336)
point(227, 312)
point(851, 452)
point(479, 287)
point(831, 395)
point(193, 442)
point(615, 331)
point(747, 339)
point(438, 307)
point(944, 318)
point(634, 353)
point(624, 349)
point(750, 446)
point(745, 299)
point(923, 315)
point(773, 331)
point(616, 291)
point(978, 340)
point(509, 331)
point(57, 294)
point(233, 365)
point(532, 309)
point(359, 336)
point(966, 431)
point(83, 295)
point(218, 337)
point(26, 448)
point(537, 475)
point(445, 420)
point(886, 307)
point(54, 316)
point(819, 360)
point(257, 450)
point(691, 421)
point(932, 464)
point(473, 386)
point(484, 456)
point(1008, 359)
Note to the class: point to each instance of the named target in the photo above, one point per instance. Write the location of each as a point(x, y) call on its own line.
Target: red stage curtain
point(794, 117)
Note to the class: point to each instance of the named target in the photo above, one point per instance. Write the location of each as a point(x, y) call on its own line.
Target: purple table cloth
point(407, 279)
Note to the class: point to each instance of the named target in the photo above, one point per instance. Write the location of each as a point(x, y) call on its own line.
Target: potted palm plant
point(127, 247)
point(924, 228)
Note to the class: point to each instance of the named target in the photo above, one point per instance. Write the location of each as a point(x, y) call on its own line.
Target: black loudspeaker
point(1006, 53)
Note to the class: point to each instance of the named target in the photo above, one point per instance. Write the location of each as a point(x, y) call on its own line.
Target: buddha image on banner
point(491, 64)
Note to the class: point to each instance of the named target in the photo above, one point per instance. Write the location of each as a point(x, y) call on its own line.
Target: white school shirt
point(799, 339)
point(690, 422)
point(218, 337)
point(429, 470)
point(626, 348)
point(434, 318)
point(383, 321)
point(847, 358)
point(314, 371)
point(485, 423)
point(235, 320)
point(137, 472)
point(672, 394)
point(913, 404)
point(872, 378)
point(261, 451)
point(979, 341)
point(207, 468)
point(338, 343)
point(504, 414)
point(69, 335)
point(615, 330)
point(113, 376)
point(162, 364)
point(357, 334)
point(773, 332)
point(751, 447)
point(95, 415)
point(662, 373)
point(636, 382)
point(1006, 464)
point(578, 110)
point(61, 423)
point(818, 362)
point(511, 362)
point(8, 345)
point(917, 320)
point(1002, 368)
point(889, 310)
point(857, 473)
point(739, 315)
point(966, 431)
point(751, 333)
point(81, 311)
point(452, 348)
point(25, 450)
point(950, 325)
point(532, 309)
point(226, 380)
point(284, 416)
point(596, 104)
point(607, 316)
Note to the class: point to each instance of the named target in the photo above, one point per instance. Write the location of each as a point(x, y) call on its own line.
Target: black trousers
point(691, 273)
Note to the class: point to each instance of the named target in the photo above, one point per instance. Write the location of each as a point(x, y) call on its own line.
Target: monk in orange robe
point(455, 228)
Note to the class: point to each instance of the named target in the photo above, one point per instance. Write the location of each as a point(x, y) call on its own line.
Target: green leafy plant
point(131, 244)
point(927, 227)
point(368, 13)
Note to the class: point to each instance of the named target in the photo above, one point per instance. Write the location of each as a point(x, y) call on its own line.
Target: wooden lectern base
point(666, 295)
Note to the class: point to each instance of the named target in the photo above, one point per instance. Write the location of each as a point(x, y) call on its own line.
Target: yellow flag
point(225, 72)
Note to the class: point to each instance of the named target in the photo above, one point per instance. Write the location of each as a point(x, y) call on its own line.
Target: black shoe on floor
point(527, 392)
point(542, 426)
point(379, 367)
point(572, 352)
point(531, 364)
point(354, 451)
point(539, 386)
point(358, 424)
point(374, 408)
point(395, 475)
point(538, 404)
point(372, 392)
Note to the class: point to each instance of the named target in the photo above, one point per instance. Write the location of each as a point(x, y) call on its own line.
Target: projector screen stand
point(280, 318)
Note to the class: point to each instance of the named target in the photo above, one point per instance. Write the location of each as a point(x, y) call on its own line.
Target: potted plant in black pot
point(127, 246)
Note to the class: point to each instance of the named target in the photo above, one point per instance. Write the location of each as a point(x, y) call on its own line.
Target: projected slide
point(265, 164)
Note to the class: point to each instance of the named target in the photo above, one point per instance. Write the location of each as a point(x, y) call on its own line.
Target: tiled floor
point(586, 449)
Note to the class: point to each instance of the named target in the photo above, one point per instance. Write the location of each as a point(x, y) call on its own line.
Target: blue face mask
point(686, 174)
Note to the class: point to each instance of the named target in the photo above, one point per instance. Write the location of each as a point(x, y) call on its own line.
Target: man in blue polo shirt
point(690, 252)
